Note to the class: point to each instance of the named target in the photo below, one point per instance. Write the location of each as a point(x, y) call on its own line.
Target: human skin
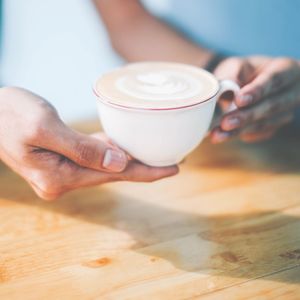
point(269, 84)
point(55, 159)
point(137, 35)
point(269, 95)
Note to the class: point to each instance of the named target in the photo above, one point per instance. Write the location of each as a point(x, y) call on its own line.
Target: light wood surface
point(227, 227)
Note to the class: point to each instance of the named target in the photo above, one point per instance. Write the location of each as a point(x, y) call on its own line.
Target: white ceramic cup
point(160, 137)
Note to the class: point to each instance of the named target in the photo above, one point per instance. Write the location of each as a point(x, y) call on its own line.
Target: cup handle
point(228, 86)
point(225, 86)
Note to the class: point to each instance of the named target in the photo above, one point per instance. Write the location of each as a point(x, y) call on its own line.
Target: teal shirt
point(240, 27)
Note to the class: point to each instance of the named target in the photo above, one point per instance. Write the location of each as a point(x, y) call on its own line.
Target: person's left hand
point(53, 158)
point(270, 92)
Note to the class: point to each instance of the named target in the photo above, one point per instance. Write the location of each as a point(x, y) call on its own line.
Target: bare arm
point(137, 35)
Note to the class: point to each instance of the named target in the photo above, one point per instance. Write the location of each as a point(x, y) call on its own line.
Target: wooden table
point(227, 227)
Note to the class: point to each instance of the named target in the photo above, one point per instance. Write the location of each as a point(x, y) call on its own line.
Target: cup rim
point(103, 100)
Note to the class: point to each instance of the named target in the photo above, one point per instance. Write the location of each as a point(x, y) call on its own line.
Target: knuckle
point(277, 80)
point(231, 64)
point(85, 153)
point(272, 107)
point(234, 60)
point(282, 70)
point(245, 73)
point(47, 187)
point(39, 127)
point(249, 116)
point(285, 62)
point(245, 116)
point(259, 90)
point(35, 131)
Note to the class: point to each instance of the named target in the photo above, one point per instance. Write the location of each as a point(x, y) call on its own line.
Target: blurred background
point(58, 49)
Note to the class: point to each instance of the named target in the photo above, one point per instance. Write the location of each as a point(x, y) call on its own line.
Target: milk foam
point(156, 85)
point(159, 85)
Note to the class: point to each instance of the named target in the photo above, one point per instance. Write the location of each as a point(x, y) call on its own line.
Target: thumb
point(85, 150)
point(237, 69)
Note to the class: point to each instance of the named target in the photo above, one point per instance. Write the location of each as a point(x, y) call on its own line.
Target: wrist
point(215, 60)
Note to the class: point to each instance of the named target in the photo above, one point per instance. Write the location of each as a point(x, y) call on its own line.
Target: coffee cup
point(158, 112)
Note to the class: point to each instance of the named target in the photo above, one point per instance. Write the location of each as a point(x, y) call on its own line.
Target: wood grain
point(227, 227)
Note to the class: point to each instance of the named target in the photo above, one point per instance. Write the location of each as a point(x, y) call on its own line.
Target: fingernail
point(114, 160)
point(220, 137)
point(246, 99)
point(232, 123)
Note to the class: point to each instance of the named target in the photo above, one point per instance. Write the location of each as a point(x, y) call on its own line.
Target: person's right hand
point(267, 101)
point(54, 159)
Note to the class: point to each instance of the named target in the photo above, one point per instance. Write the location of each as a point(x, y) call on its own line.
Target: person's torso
point(235, 27)
point(58, 48)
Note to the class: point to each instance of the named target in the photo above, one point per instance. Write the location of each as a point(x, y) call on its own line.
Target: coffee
point(158, 112)
point(156, 85)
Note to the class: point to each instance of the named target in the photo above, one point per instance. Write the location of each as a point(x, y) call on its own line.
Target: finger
point(272, 78)
point(84, 150)
point(276, 104)
point(70, 176)
point(218, 136)
point(257, 136)
point(269, 124)
point(52, 181)
point(266, 129)
point(135, 172)
point(141, 173)
point(240, 70)
point(257, 131)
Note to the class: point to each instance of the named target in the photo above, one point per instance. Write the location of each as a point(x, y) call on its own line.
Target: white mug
point(160, 137)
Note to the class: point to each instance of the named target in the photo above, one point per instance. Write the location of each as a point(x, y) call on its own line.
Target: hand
point(270, 92)
point(54, 159)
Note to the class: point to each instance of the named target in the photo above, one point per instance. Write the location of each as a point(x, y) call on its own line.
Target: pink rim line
point(151, 109)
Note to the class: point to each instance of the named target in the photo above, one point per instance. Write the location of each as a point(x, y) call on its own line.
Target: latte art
point(156, 85)
point(161, 85)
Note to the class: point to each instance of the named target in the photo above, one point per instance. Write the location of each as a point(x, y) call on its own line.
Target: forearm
point(136, 35)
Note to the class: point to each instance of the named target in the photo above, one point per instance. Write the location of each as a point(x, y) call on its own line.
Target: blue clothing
point(43, 45)
point(237, 27)
point(240, 27)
